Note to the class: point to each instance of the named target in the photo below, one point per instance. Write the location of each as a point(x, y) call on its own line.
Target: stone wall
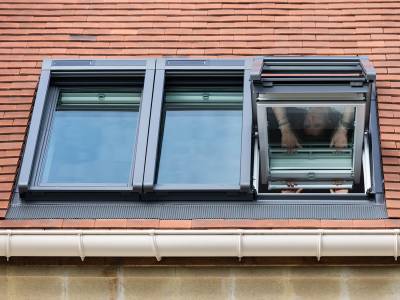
point(130, 282)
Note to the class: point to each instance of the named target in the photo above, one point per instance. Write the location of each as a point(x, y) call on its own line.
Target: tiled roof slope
point(33, 30)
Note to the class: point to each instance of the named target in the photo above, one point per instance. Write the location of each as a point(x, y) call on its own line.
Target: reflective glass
point(201, 147)
point(90, 146)
point(310, 138)
point(102, 98)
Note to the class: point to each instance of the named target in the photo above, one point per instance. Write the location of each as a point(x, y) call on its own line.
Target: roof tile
point(110, 223)
point(175, 224)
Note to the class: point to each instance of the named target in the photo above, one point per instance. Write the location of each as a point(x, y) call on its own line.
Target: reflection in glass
point(90, 147)
point(310, 138)
point(91, 138)
point(201, 147)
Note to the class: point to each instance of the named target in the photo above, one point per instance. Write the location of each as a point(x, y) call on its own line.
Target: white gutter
point(199, 243)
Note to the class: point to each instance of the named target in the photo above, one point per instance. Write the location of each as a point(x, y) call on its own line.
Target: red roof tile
point(120, 28)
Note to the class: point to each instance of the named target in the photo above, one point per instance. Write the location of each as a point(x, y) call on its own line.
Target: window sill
point(344, 208)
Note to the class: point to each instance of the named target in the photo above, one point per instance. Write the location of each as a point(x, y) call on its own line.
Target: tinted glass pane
point(204, 97)
point(103, 98)
point(304, 138)
point(201, 147)
point(90, 147)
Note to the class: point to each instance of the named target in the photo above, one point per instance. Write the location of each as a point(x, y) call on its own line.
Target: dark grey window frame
point(219, 66)
point(44, 107)
point(375, 195)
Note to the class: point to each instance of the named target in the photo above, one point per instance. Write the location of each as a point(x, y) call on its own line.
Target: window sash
point(324, 173)
point(199, 82)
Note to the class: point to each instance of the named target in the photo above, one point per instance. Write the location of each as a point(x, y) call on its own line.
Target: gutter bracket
point(396, 244)
point(240, 244)
point(319, 245)
point(8, 245)
point(81, 248)
point(155, 246)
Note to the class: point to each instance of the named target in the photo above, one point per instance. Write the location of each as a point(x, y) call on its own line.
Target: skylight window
point(88, 129)
point(313, 122)
point(200, 131)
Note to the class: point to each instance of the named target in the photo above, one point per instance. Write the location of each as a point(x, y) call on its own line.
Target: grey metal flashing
point(312, 58)
point(101, 64)
point(247, 138)
point(377, 172)
point(257, 68)
point(154, 131)
point(142, 130)
point(46, 64)
point(248, 64)
point(197, 210)
point(179, 63)
point(34, 128)
point(368, 68)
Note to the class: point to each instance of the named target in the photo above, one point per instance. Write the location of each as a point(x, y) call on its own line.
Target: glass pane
point(203, 97)
point(90, 147)
point(106, 97)
point(310, 138)
point(201, 147)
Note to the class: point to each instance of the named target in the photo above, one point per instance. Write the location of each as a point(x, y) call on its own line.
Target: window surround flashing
point(108, 203)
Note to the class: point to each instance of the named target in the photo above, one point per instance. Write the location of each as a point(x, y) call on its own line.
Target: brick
point(393, 203)
point(4, 204)
point(43, 223)
point(392, 177)
point(5, 195)
point(224, 223)
point(175, 224)
point(305, 223)
point(392, 223)
point(110, 223)
point(369, 223)
point(393, 213)
point(336, 224)
point(392, 186)
point(7, 177)
point(206, 223)
point(73, 223)
point(393, 195)
point(142, 223)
